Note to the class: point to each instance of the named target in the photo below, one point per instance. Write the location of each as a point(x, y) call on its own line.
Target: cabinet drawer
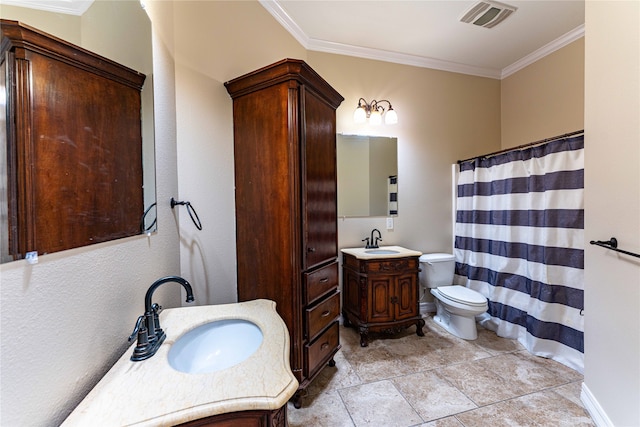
point(321, 350)
point(318, 317)
point(399, 265)
point(320, 282)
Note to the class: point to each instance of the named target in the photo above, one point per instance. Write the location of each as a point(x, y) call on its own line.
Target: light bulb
point(375, 118)
point(360, 115)
point(391, 117)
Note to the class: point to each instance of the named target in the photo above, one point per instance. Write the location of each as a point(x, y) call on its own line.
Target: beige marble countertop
point(397, 252)
point(151, 393)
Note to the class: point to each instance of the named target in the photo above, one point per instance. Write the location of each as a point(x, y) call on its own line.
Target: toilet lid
point(462, 295)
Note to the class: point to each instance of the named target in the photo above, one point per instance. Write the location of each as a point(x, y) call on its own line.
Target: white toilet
point(456, 306)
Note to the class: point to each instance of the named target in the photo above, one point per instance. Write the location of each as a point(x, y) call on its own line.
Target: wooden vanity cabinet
point(381, 295)
point(275, 418)
point(284, 124)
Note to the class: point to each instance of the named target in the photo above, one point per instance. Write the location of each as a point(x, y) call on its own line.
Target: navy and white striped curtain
point(519, 242)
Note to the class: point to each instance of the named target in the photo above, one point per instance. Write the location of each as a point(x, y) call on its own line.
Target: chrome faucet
point(150, 334)
point(373, 243)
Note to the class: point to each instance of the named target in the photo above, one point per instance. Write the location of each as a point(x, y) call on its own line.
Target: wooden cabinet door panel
point(406, 297)
point(380, 294)
point(319, 181)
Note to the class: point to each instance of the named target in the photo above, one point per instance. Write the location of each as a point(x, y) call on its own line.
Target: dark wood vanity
point(284, 124)
point(381, 295)
point(275, 418)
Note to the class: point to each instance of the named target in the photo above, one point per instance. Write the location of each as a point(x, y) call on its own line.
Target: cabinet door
point(381, 297)
point(351, 293)
point(319, 180)
point(406, 301)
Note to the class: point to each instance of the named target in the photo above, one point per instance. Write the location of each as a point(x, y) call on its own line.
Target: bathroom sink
point(383, 252)
point(215, 346)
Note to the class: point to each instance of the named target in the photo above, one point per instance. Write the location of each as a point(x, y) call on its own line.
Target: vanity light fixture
point(374, 112)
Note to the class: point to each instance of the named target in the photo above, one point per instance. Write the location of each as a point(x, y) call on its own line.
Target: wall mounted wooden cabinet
point(286, 205)
point(73, 145)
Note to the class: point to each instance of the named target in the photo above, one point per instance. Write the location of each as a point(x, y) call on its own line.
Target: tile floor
point(440, 381)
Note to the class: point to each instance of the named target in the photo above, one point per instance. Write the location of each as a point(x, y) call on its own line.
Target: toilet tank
point(436, 270)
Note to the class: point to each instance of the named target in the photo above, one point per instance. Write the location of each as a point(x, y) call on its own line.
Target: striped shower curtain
point(519, 242)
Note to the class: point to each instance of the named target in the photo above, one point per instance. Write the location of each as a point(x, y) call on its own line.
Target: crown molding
point(69, 7)
point(545, 50)
point(274, 8)
point(400, 58)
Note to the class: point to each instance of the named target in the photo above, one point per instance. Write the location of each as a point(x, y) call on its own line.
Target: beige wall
point(66, 320)
point(612, 196)
point(67, 27)
point(442, 117)
point(544, 99)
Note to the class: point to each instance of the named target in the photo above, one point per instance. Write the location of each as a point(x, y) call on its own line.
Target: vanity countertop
point(150, 392)
point(383, 252)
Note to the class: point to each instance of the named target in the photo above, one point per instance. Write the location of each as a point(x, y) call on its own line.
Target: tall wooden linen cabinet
point(284, 124)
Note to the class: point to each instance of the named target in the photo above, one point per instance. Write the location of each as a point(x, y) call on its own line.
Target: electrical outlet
point(389, 223)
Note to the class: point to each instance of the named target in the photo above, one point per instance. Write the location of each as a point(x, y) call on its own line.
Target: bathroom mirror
point(367, 176)
point(119, 30)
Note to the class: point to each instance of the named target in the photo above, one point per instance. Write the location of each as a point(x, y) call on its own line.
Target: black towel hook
point(192, 212)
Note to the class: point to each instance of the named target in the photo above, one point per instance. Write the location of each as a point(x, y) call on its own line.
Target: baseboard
point(592, 406)
point(427, 307)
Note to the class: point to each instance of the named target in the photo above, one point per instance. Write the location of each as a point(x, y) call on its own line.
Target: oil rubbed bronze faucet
point(373, 243)
point(150, 334)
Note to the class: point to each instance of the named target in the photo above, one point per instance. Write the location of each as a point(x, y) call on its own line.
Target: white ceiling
point(423, 33)
point(428, 33)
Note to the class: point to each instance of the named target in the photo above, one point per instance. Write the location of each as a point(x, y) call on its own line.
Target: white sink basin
point(382, 252)
point(215, 346)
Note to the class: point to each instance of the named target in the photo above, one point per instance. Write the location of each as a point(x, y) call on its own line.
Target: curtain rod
point(519, 147)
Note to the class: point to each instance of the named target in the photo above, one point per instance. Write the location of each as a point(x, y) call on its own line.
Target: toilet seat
point(462, 295)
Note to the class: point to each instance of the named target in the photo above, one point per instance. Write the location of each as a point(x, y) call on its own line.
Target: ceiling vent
point(487, 14)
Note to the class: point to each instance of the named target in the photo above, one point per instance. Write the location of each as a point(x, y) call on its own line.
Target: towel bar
point(613, 245)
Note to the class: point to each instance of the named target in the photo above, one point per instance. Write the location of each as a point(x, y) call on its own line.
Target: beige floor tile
point(436, 381)
point(444, 422)
point(374, 364)
point(493, 344)
point(525, 373)
point(543, 409)
point(415, 353)
point(378, 404)
point(341, 375)
point(432, 396)
point(323, 410)
point(559, 369)
point(571, 392)
point(349, 338)
point(479, 384)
